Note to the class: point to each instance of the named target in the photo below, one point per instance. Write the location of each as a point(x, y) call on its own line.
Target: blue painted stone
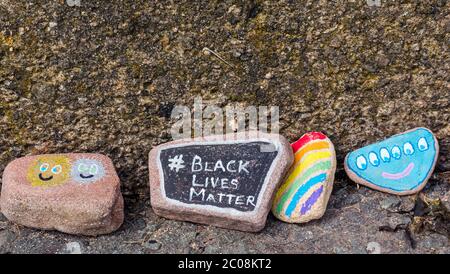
point(401, 164)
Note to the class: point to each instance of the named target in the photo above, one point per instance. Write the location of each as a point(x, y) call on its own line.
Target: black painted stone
point(256, 158)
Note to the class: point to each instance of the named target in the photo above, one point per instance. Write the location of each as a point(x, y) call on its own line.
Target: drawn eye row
point(386, 155)
point(55, 170)
point(93, 169)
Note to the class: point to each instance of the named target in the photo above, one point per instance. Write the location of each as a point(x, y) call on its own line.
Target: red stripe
point(308, 137)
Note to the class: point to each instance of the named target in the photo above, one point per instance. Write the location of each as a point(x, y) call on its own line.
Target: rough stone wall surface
point(104, 76)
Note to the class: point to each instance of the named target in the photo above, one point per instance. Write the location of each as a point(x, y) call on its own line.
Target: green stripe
point(313, 169)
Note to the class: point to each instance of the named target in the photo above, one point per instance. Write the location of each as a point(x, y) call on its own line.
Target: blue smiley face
point(400, 163)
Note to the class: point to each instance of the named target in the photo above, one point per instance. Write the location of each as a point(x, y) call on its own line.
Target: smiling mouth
point(396, 176)
point(45, 179)
point(86, 176)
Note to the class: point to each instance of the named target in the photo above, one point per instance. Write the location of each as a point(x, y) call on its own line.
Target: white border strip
point(227, 210)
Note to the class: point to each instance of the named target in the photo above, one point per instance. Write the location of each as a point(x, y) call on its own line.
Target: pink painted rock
point(75, 193)
point(223, 180)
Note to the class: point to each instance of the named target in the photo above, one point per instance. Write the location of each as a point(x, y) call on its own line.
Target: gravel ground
point(104, 76)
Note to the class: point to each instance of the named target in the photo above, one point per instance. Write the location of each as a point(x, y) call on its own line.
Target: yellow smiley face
point(49, 171)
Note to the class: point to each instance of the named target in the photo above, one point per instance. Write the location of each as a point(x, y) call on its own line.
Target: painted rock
point(223, 180)
point(72, 193)
point(401, 164)
point(305, 193)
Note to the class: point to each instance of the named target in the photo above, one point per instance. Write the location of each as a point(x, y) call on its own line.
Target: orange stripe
point(309, 147)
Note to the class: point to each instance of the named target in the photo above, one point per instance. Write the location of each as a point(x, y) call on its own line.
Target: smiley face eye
point(373, 159)
point(408, 148)
point(385, 156)
point(44, 167)
point(93, 169)
point(396, 153)
point(361, 162)
point(82, 168)
point(422, 144)
point(57, 169)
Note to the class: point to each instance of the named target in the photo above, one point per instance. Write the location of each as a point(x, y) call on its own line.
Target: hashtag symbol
point(176, 162)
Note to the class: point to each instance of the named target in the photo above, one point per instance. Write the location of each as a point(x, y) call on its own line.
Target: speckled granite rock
point(223, 180)
point(73, 193)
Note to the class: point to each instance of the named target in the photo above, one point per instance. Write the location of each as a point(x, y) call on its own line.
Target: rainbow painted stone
point(401, 164)
point(304, 195)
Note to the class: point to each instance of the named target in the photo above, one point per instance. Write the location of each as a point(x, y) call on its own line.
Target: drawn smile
point(86, 176)
point(44, 178)
point(397, 176)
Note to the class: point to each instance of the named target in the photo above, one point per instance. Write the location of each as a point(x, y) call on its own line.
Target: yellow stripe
point(310, 146)
point(307, 161)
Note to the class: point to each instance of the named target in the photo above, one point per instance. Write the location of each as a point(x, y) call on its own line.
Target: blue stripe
point(302, 190)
